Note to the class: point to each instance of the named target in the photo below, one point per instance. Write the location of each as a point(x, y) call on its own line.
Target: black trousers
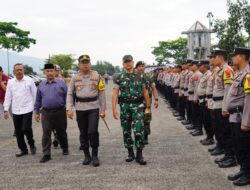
point(206, 120)
point(23, 127)
point(223, 132)
point(196, 115)
point(88, 127)
point(54, 120)
point(182, 105)
point(241, 142)
point(189, 109)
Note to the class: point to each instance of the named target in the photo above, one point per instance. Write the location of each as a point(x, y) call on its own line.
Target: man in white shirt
point(20, 95)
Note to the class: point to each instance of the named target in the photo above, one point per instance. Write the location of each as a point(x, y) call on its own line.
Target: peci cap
point(127, 58)
point(241, 51)
point(49, 66)
point(84, 58)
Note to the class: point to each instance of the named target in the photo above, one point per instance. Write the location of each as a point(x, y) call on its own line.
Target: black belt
point(238, 109)
point(218, 98)
point(130, 101)
point(53, 109)
point(185, 89)
point(182, 88)
point(202, 97)
point(209, 96)
point(176, 87)
point(86, 99)
point(190, 93)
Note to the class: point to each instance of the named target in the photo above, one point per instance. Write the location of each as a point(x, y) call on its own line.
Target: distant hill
point(14, 58)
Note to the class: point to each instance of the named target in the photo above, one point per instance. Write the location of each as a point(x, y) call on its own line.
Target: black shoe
point(212, 149)
point(197, 133)
point(217, 152)
point(14, 134)
point(95, 160)
point(45, 158)
point(207, 142)
point(33, 150)
point(243, 180)
point(65, 152)
point(139, 158)
point(230, 162)
point(22, 153)
point(233, 177)
point(180, 118)
point(55, 143)
point(87, 159)
point(176, 115)
point(194, 131)
point(218, 160)
point(190, 127)
point(81, 148)
point(131, 155)
point(186, 122)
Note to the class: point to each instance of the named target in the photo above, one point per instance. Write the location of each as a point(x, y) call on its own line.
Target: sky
point(106, 29)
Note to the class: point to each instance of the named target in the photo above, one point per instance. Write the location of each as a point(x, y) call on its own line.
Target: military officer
point(130, 92)
point(150, 85)
point(86, 94)
point(237, 105)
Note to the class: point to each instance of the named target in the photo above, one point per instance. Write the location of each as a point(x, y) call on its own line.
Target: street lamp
point(210, 16)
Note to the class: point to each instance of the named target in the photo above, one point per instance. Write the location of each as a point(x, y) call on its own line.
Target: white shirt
point(20, 95)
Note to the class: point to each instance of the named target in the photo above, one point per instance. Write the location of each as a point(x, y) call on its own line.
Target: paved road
point(175, 161)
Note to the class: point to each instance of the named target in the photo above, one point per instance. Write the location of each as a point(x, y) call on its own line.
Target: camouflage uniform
point(131, 107)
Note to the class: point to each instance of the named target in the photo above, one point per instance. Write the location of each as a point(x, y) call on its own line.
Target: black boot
point(95, 160)
point(139, 158)
point(131, 155)
point(146, 139)
point(87, 159)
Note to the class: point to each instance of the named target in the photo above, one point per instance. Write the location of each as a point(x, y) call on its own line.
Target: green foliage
point(103, 67)
point(65, 61)
point(230, 32)
point(172, 49)
point(29, 70)
point(14, 38)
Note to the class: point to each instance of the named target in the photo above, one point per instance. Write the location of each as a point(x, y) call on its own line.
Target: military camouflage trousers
point(132, 118)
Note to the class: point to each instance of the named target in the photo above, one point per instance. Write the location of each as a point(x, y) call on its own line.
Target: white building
point(199, 41)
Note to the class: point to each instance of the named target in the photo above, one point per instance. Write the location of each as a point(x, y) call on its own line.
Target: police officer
point(86, 93)
point(130, 88)
point(238, 107)
point(193, 98)
point(150, 85)
point(223, 81)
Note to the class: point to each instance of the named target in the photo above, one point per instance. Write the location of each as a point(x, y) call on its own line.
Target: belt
point(176, 87)
point(190, 93)
point(53, 109)
point(185, 89)
point(218, 98)
point(238, 109)
point(209, 96)
point(86, 99)
point(130, 101)
point(182, 88)
point(202, 97)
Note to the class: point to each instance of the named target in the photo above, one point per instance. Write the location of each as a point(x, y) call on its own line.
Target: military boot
point(95, 160)
point(131, 155)
point(139, 158)
point(87, 159)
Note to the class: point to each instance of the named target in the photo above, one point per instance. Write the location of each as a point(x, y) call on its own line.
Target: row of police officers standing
point(213, 95)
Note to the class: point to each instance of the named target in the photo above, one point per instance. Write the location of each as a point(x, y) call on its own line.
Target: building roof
point(196, 28)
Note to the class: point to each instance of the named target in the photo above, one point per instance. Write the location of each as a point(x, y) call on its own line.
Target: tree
point(29, 70)
point(230, 32)
point(103, 67)
point(171, 50)
point(14, 38)
point(65, 61)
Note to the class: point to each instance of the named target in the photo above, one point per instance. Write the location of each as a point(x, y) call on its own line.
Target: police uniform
point(86, 93)
point(237, 105)
point(181, 94)
point(205, 114)
point(223, 81)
